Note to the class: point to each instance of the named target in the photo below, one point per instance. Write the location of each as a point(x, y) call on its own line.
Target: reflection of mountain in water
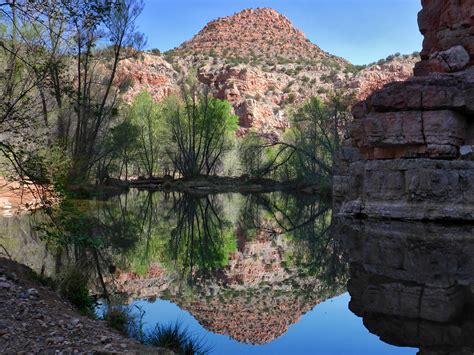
point(413, 283)
point(254, 299)
point(268, 281)
point(248, 267)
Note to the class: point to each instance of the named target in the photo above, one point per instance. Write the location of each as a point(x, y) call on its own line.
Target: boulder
point(445, 24)
point(451, 60)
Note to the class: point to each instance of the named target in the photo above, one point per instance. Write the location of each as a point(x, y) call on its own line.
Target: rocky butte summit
point(410, 155)
point(259, 62)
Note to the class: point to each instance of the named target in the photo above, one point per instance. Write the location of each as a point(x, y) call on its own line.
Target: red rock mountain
point(262, 65)
point(253, 33)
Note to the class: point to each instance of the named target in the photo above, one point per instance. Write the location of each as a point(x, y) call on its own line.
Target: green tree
point(148, 117)
point(200, 131)
point(308, 149)
point(95, 93)
point(60, 59)
point(118, 151)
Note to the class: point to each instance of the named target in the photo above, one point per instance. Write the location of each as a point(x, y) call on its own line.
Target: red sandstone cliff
point(412, 142)
point(445, 24)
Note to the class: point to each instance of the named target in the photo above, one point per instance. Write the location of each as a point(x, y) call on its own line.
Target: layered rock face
point(412, 282)
point(403, 159)
point(446, 25)
point(149, 73)
point(376, 76)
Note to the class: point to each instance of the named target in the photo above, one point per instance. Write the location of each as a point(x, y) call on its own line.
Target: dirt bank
point(35, 319)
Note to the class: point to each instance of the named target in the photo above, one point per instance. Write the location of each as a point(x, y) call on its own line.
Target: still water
point(267, 273)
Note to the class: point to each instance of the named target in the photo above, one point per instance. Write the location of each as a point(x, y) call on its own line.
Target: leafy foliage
point(307, 150)
point(47, 105)
point(201, 130)
point(148, 117)
point(73, 285)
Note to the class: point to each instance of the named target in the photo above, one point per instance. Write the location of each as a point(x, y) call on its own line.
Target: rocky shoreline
point(35, 319)
point(217, 184)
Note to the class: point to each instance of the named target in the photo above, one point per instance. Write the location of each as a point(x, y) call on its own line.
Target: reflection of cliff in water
point(281, 264)
point(19, 240)
point(413, 283)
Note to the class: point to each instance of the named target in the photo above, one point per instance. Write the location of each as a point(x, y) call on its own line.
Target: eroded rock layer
point(446, 26)
point(410, 152)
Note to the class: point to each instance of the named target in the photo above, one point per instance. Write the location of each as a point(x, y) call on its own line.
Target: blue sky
point(361, 31)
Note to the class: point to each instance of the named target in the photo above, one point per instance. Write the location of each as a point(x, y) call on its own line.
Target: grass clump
point(73, 285)
point(119, 319)
point(177, 339)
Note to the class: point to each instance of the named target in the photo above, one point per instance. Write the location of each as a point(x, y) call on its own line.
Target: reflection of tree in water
point(306, 221)
point(202, 237)
point(194, 235)
point(284, 265)
point(225, 258)
point(182, 233)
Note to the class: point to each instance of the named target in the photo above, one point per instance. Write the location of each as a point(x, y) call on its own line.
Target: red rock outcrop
point(149, 73)
point(22, 196)
point(376, 76)
point(392, 164)
point(445, 24)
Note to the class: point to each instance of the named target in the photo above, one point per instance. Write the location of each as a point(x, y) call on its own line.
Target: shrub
point(126, 84)
point(119, 319)
point(291, 98)
point(351, 68)
point(73, 285)
point(177, 339)
point(271, 88)
point(325, 78)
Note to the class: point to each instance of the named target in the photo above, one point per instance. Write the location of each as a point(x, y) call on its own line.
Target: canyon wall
point(410, 151)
